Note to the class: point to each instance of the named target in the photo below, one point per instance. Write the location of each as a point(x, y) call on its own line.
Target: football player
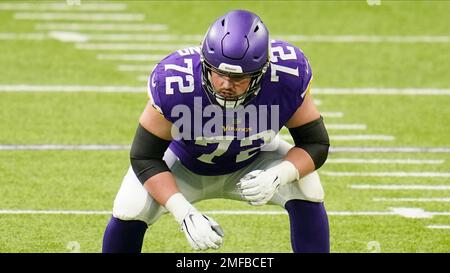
point(210, 130)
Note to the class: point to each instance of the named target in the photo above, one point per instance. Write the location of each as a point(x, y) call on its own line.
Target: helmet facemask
point(231, 102)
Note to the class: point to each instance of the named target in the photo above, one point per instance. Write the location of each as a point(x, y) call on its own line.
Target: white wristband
point(286, 171)
point(179, 206)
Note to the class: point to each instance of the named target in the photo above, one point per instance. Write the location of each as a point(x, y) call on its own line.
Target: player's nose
point(227, 83)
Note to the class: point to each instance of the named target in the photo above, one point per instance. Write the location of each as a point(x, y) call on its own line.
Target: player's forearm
point(311, 146)
point(310, 152)
point(146, 158)
point(301, 160)
point(161, 187)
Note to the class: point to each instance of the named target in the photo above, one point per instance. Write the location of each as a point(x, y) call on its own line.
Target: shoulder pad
point(174, 78)
point(289, 64)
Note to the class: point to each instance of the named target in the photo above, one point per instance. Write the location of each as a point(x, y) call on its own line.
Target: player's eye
point(234, 77)
point(239, 78)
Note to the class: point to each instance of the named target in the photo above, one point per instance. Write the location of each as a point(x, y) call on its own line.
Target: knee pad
point(132, 201)
point(311, 188)
point(308, 188)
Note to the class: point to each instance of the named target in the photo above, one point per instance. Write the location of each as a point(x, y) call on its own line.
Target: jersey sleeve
point(305, 74)
point(308, 76)
point(174, 83)
point(292, 73)
point(153, 89)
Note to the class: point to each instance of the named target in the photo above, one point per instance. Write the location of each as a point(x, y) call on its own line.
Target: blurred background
point(73, 83)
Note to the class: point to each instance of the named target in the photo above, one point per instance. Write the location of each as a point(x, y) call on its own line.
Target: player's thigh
point(308, 188)
point(133, 202)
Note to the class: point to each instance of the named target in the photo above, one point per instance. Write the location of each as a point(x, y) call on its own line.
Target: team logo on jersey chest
point(214, 121)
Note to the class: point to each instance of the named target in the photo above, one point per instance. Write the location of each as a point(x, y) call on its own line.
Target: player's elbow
point(146, 154)
point(318, 153)
point(313, 138)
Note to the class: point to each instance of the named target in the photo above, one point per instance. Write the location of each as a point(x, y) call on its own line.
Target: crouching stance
point(210, 130)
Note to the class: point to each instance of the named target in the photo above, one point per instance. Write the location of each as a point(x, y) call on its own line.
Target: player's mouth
point(227, 93)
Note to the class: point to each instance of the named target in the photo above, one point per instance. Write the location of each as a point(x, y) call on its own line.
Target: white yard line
point(333, 213)
point(438, 226)
point(71, 88)
point(68, 36)
point(361, 137)
point(128, 27)
point(83, 37)
point(114, 146)
point(352, 137)
point(405, 212)
point(109, 46)
point(24, 36)
point(72, 212)
point(106, 147)
point(138, 47)
point(62, 147)
point(143, 78)
point(189, 37)
point(363, 38)
point(55, 16)
point(383, 161)
point(291, 38)
point(385, 174)
point(400, 187)
point(332, 126)
point(332, 114)
point(131, 57)
point(416, 213)
point(246, 212)
point(140, 68)
point(382, 91)
point(63, 6)
point(430, 199)
point(390, 150)
point(135, 37)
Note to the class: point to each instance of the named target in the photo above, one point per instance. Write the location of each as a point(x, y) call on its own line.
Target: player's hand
point(259, 186)
point(201, 231)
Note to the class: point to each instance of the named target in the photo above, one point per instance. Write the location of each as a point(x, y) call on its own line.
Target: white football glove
point(201, 231)
point(259, 186)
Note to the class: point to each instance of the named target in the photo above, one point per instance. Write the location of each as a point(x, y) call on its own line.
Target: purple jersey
point(214, 141)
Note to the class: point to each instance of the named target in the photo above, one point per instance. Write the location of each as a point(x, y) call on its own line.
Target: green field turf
point(88, 180)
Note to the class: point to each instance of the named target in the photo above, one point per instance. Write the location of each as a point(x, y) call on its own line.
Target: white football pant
point(134, 203)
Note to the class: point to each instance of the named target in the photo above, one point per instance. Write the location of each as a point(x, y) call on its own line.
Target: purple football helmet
point(236, 45)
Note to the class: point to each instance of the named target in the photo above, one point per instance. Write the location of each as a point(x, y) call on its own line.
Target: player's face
point(229, 87)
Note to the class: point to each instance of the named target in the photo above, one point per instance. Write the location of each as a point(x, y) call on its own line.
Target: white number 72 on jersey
point(189, 71)
point(224, 143)
point(290, 55)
